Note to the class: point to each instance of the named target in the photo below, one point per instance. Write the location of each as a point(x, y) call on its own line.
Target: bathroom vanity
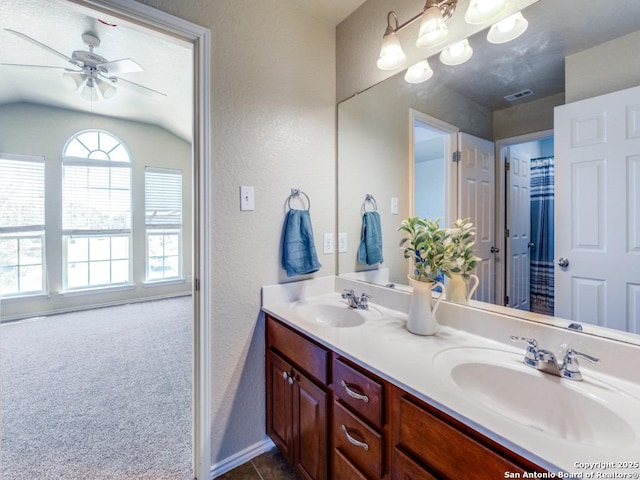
point(352, 395)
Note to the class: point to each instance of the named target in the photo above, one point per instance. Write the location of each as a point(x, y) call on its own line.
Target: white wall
point(28, 129)
point(273, 127)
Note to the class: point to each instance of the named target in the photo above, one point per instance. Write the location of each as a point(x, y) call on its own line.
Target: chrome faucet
point(546, 361)
point(353, 301)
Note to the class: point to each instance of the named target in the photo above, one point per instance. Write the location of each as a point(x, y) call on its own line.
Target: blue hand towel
point(370, 251)
point(299, 255)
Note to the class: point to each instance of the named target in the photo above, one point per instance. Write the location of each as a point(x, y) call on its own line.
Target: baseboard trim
point(241, 457)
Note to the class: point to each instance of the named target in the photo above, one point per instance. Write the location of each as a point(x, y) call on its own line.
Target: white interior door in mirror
point(519, 225)
point(597, 174)
point(476, 194)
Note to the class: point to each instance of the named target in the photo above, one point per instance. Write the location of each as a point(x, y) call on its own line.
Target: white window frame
point(23, 232)
point(69, 233)
point(152, 228)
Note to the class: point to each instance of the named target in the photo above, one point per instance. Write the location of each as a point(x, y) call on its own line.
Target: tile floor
point(268, 466)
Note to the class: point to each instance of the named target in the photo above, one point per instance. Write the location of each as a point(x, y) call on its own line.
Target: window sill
point(25, 296)
point(97, 290)
point(162, 283)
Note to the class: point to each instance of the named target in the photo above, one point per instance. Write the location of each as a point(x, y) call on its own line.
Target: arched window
point(96, 211)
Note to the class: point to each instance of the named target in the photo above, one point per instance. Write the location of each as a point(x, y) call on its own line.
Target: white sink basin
point(590, 412)
point(332, 312)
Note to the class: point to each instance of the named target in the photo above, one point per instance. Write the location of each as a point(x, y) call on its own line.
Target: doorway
point(138, 16)
point(527, 212)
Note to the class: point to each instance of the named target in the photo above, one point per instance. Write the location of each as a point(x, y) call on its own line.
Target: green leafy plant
point(462, 259)
point(428, 246)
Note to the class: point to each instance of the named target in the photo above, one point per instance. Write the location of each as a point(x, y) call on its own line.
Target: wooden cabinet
point(296, 402)
point(333, 419)
point(430, 444)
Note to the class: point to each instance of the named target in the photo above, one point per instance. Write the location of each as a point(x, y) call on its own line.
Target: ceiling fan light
point(457, 54)
point(483, 11)
point(508, 29)
point(73, 80)
point(106, 89)
point(89, 92)
point(418, 73)
point(391, 54)
point(433, 28)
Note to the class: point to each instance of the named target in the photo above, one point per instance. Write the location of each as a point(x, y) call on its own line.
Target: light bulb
point(433, 28)
point(391, 54)
point(508, 29)
point(418, 73)
point(457, 53)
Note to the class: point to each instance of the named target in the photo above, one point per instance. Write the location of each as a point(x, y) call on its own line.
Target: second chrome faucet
point(546, 361)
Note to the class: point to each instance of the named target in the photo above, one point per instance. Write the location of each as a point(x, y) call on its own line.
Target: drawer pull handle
point(353, 394)
point(353, 441)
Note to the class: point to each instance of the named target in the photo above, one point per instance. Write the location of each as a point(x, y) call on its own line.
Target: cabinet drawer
point(343, 469)
point(359, 391)
point(405, 468)
point(361, 444)
point(446, 449)
point(309, 356)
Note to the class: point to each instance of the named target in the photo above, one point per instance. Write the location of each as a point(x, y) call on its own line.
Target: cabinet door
point(279, 404)
point(406, 469)
point(310, 452)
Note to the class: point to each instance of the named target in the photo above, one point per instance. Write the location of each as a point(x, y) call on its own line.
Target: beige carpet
point(101, 394)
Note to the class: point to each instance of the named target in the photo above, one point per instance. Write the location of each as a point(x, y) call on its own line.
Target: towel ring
point(368, 198)
point(295, 192)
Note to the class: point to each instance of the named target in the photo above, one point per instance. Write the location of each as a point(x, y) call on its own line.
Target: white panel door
point(597, 223)
point(519, 225)
point(476, 201)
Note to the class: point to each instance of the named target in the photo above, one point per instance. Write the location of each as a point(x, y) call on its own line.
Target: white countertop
point(383, 345)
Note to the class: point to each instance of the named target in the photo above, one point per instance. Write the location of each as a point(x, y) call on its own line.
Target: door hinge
point(456, 156)
point(506, 300)
point(196, 284)
point(507, 166)
point(506, 233)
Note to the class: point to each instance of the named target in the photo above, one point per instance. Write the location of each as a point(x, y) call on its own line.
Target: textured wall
point(273, 127)
point(603, 69)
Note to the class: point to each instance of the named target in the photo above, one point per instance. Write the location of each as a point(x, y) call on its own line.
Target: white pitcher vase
point(422, 310)
point(460, 289)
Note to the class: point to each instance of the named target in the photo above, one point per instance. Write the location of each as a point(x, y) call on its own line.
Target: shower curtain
point(542, 286)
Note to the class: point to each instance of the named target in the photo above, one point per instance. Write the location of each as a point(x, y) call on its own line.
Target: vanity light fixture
point(391, 54)
point(457, 54)
point(433, 28)
point(483, 11)
point(418, 73)
point(508, 29)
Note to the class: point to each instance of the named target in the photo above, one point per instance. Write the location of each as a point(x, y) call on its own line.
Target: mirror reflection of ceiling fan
point(90, 74)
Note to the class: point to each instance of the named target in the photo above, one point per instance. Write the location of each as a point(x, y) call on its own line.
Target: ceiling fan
point(91, 74)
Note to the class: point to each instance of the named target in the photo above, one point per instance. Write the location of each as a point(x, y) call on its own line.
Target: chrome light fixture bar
point(433, 30)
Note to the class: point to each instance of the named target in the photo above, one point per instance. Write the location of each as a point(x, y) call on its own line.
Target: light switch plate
point(328, 243)
point(247, 200)
point(394, 205)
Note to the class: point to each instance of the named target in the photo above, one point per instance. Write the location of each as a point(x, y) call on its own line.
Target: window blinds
point(21, 193)
point(163, 197)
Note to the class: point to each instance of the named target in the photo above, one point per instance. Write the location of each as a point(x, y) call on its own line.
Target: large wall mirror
point(397, 138)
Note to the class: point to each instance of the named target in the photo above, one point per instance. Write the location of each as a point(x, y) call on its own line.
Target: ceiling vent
point(518, 95)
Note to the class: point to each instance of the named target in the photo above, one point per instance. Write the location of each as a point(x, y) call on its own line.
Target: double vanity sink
point(482, 381)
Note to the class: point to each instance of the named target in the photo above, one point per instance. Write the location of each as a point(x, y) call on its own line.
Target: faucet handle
point(347, 292)
point(571, 367)
point(531, 357)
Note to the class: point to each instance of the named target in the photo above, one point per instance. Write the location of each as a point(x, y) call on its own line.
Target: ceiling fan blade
point(41, 45)
point(139, 88)
point(125, 65)
point(38, 66)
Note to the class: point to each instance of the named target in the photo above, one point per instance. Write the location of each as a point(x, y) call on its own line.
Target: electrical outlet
point(328, 243)
point(247, 200)
point(342, 242)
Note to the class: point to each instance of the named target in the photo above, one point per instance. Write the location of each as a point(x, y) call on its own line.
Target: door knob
point(563, 262)
point(531, 244)
point(494, 250)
